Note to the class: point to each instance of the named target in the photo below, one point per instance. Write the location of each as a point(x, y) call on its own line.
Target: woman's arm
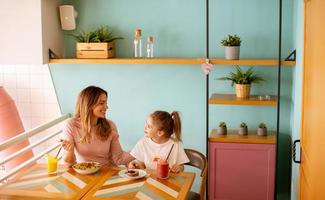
point(119, 156)
point(69, 156)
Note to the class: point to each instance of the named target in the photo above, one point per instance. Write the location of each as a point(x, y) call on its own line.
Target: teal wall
point(178, 28)
point(297, 88)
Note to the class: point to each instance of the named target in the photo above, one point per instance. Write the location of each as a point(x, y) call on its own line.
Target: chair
point(198, 160)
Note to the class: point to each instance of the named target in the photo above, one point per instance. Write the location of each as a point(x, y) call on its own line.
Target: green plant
point(222, 125)
point(243, 77)
point(101, 34)
point(261, 125)
point(231, 40)
point(243, 125)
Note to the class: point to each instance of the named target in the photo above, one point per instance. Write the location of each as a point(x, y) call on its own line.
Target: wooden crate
point(95, 50)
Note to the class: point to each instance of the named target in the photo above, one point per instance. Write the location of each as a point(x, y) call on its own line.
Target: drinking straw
point(170, 151)
point(58, 152)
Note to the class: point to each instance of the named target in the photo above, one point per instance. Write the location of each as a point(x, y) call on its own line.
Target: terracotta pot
point(261, 131)
point(10, 126)
point(222, 131)
point(243, 90)
point(242, 131)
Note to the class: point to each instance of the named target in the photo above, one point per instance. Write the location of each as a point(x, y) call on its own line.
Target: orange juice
point(52, 164)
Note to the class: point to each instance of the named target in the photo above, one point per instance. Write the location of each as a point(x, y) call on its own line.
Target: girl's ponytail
point(177, 126)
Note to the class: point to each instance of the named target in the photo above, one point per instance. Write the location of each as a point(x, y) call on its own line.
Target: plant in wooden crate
point(242, 129)
point(243, 80)
point(232, 47)
point(96, 44)
point(262, 130)
point(222, 129)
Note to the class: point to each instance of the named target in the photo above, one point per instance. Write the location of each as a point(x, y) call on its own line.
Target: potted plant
point(96, 44)
point(243, 129)
point(232, 47)
point(262, 130)
point(222, 129)
point(243, 81)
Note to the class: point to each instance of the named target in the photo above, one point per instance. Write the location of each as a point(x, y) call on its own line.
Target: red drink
point(162, 169)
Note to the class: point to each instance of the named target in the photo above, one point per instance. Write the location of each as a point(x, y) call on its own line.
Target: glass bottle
point(150, 47)
point(137, 43)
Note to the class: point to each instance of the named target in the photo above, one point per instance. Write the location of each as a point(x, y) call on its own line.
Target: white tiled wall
point(32, 89)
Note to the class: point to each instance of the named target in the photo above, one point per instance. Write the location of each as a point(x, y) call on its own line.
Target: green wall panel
point(178, 28)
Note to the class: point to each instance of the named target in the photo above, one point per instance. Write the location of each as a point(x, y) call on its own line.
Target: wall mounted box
point(29, 28)
point(95, 50)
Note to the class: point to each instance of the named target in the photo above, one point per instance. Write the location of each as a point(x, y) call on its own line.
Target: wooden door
point(312, 169)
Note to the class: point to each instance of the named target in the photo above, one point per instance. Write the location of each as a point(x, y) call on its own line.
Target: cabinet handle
point(294, 152)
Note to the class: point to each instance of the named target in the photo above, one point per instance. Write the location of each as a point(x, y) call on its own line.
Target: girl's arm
point(136, 164)
point(177, 168)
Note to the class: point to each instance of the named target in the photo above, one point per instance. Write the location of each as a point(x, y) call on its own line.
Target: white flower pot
point(232, 52)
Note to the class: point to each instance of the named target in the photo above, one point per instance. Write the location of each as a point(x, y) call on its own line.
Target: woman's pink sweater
point(108, 152)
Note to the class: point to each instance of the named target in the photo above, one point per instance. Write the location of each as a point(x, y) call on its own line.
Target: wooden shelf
point(255, 62)
point(176, 61)
point(231, 99)
point(233, 137)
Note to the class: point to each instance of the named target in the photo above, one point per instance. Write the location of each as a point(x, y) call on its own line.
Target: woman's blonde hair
point(86, 101)
point(168, 123)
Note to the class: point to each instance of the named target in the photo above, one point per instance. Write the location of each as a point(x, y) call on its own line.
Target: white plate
point(142, 174)
point(87, 170)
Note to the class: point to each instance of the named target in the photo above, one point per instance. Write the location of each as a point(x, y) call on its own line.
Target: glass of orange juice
point(52, 164)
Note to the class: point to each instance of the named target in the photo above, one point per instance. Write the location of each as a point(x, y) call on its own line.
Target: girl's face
point(99, 110)
point(151, 130)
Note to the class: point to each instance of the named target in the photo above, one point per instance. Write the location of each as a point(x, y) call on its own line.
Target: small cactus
point(222, 124)
point(261, 125)
point(243, 125)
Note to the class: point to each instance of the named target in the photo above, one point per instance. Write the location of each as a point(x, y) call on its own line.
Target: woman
point(89, 136)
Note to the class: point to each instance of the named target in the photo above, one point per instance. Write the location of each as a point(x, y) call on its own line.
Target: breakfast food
point(86, 165)
point(132, 173)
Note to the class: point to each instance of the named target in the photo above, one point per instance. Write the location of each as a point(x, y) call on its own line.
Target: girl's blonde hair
point(168, 123)
point(86, 101)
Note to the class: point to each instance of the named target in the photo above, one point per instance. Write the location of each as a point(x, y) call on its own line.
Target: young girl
point(159, 141)
point(89, 136)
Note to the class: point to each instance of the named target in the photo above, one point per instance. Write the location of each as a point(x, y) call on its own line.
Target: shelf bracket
point(52, 55)
point(292, 54)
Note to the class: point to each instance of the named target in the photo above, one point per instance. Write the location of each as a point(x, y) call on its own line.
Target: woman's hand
point(135, 164)
point(177, 168)
point(68, 146)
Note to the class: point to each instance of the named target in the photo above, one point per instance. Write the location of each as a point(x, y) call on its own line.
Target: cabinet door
point(241, 171)
point(312, 175)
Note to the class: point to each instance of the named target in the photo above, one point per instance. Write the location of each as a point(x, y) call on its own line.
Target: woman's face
point(99, 110)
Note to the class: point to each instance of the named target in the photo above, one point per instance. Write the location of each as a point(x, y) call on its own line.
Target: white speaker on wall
point(68, 17)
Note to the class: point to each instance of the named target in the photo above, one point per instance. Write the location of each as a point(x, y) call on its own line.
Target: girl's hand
point(68, 146)
point(177, 169)
point(135, 164)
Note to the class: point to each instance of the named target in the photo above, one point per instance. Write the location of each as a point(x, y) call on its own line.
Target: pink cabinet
point(241, 171)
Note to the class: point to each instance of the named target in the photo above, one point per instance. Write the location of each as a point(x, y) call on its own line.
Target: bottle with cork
point(150, 47)
point(137, 43)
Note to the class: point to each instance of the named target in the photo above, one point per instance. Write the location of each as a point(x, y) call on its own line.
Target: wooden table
point(34, 183)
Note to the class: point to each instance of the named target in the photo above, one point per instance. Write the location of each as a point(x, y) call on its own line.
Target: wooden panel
point(256, 62)
point(231, 99)
point(111, 186)
point(233, 137)
point(36, 183)
point(312, 172)
point(178, 61)
point(241, 171)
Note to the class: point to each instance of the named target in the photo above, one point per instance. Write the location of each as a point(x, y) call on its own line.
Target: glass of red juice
point(162, 169)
